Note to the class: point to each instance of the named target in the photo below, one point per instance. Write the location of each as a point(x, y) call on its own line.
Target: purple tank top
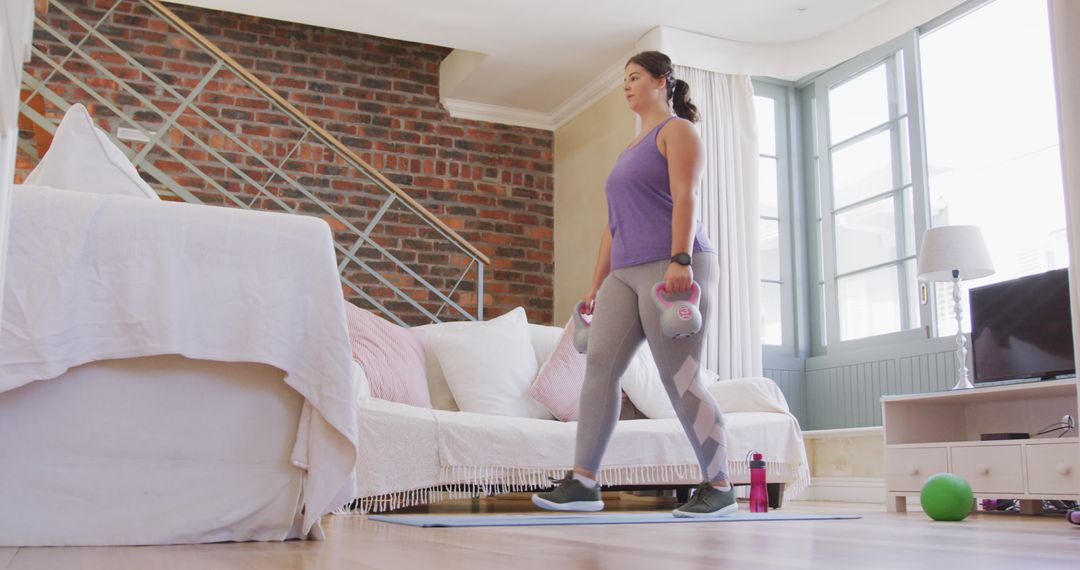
point(639, 206)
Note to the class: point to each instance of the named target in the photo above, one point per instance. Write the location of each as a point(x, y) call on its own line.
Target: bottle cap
point(757, 462)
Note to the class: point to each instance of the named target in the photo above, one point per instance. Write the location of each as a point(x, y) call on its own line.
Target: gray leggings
point(624, 316)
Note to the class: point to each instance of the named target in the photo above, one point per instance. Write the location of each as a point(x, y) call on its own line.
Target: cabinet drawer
point(908, 469)
point(1053, 468)
point(990, 469)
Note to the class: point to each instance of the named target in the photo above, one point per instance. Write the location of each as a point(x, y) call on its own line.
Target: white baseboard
point(845, 490)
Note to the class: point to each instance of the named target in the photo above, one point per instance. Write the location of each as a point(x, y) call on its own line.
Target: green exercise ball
point(946, 497)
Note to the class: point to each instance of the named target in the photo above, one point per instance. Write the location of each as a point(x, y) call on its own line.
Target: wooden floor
point(878, 540)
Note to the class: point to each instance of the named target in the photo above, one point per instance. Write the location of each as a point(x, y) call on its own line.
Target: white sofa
point(410, 455)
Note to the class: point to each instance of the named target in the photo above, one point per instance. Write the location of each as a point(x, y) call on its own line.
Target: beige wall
point(585, 151)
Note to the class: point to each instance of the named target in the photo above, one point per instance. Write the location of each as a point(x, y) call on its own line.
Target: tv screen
point(1022, 328)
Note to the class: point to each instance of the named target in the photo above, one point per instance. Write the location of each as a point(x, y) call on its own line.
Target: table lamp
point(952, 253)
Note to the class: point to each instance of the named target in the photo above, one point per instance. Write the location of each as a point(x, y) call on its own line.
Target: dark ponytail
point(678, 91)
point(681, 102)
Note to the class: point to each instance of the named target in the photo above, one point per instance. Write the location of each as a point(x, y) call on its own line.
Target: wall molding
point(604, 83)
point(597, 89)
point(473, 111)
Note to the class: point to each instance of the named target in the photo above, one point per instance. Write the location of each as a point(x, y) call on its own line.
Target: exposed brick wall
point(492, 183)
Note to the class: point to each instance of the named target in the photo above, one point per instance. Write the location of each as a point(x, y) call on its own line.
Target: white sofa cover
point(410, 455)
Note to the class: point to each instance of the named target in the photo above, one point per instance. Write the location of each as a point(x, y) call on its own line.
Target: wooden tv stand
point(940, 432)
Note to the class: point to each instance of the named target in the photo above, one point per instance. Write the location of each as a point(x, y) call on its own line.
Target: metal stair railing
point(242, 144)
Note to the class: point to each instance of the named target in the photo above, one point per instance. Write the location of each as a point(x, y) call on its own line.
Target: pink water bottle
point(759, 494)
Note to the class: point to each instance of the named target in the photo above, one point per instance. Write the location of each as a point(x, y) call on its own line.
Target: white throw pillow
point(82, 158)
point(361, 387)
point(441, 397)
point(751, 394)
point(544, 340)
point(643, 386)
point(489, 365)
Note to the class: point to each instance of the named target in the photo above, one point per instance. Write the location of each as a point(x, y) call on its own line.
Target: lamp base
point(963, 381)
point(963, 384)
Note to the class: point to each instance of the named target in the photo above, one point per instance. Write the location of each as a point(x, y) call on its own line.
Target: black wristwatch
point(682, 258)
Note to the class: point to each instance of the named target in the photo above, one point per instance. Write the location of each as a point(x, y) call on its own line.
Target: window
point(992, 141)
point(953, 123)
point(770, 107)
point(867, 205)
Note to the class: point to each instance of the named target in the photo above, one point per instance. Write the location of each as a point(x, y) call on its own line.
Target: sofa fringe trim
point(472, 481)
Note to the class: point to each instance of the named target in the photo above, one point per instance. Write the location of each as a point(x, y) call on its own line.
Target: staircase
point(206, 130)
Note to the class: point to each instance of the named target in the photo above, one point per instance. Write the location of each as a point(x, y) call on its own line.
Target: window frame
point(813, 275)
point(789, 217)
point(825, 252)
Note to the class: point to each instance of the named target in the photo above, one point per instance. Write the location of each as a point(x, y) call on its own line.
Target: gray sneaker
point(708, 501)
point(569, 494)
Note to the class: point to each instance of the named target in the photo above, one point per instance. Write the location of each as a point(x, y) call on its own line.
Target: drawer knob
point(1063, 469)
point(912, 470)
point(982, 469)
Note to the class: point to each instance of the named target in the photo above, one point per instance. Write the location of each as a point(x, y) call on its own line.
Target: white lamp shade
point(954, 248)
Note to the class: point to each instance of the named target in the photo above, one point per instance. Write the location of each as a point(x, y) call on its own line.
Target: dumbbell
point(679, 319)
point(581, 328)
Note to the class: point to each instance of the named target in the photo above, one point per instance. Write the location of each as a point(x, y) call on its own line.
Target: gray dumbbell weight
point(678, 319)
point(581, 328)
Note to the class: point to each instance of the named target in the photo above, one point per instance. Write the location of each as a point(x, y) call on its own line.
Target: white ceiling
point(542, 52)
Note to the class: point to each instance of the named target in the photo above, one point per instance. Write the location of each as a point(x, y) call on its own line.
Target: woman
point(652, 235)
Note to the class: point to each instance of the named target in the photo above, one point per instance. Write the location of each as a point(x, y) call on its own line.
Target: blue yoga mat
point(443, 521)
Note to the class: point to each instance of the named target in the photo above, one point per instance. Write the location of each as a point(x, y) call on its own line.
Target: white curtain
point(1065, 16)
point(729, 213)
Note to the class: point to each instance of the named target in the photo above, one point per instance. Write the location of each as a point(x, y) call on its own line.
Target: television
point(1022, 329)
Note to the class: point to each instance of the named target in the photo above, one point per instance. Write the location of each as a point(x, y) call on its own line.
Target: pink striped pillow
point(392, 358)
point(558, 385)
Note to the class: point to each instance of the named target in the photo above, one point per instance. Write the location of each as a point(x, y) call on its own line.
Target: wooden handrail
point(42, 138)
point(326, 136)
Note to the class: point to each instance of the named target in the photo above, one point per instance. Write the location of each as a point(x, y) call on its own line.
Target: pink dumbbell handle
point(660, 292)
point(579, 310)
